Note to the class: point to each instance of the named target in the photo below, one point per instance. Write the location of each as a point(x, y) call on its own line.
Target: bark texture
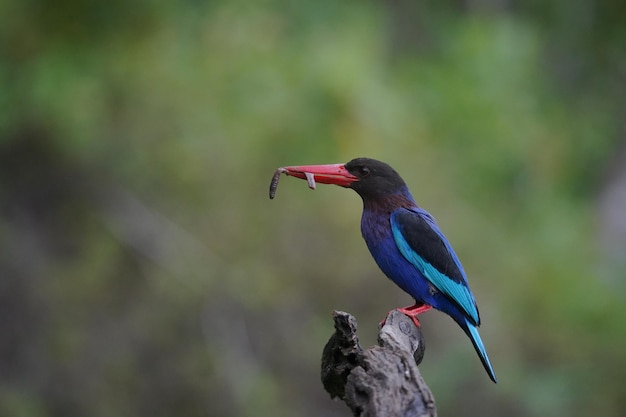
point(383, 380)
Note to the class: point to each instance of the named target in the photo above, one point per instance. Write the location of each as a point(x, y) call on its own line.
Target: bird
point(406, 243)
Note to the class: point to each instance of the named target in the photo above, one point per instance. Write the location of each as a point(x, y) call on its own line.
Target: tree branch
point(382, 380)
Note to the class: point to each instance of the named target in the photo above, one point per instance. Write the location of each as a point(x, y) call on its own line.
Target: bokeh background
point(145, 272)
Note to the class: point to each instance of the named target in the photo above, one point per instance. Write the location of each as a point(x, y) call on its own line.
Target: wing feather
point(422, 243)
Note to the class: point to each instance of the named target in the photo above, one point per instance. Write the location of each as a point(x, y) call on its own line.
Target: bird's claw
point(411, 312)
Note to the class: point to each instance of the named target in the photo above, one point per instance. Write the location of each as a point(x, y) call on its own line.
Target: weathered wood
point(382, 381)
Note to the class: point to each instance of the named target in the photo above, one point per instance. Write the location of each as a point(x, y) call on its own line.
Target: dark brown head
point(375, 179)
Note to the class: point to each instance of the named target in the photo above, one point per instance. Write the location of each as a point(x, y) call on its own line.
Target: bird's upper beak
point(326, 174)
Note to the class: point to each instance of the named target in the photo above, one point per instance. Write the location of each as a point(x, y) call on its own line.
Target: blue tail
point(472, 333)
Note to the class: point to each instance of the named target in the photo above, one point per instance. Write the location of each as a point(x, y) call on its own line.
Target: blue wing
point(422, 243)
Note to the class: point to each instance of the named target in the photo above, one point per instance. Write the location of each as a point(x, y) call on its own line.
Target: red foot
point(412, 312)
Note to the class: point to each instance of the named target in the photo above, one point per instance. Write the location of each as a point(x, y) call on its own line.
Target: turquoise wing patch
point(457, 291)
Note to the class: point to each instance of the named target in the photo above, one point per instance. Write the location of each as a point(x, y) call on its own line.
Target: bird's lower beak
point(326, 174)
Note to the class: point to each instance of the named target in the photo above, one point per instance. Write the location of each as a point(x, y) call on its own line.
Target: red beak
point(326, 174)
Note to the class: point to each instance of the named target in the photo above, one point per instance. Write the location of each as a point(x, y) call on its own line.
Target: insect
point(274, 183)
point(310, 179)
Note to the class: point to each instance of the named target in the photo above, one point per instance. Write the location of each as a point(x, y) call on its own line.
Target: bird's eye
point(363, 171)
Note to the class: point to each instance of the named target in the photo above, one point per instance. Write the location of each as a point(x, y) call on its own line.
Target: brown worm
point(274, 183)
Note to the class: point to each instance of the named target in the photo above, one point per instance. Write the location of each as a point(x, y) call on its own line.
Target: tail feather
point(472, 332)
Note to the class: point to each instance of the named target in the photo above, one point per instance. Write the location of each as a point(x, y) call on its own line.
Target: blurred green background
point(144, 271)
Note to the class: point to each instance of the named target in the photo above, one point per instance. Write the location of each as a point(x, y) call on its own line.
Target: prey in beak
point(336, 174)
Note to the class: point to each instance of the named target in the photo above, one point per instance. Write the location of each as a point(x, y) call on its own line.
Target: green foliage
point(143, 271)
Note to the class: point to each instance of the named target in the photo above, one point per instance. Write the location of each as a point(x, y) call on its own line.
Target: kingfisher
point(405, 241)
